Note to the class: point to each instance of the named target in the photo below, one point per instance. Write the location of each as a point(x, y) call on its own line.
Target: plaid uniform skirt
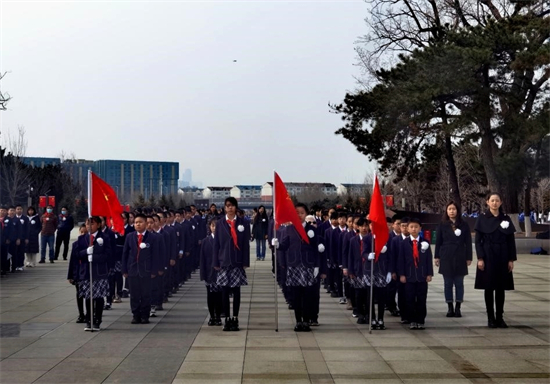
point(300, 276)
point(214, 287)
point(379, 280)
point(231, 277)
point(100, 288)
point(357, 282)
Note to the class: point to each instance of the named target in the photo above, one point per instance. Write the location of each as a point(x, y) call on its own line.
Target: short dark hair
point(232, 201)
point(334, 216)
point(95, 219)
point(405, 220)
point(415, 220)
point(362, 221)
point(140, 215)
point(302, 205)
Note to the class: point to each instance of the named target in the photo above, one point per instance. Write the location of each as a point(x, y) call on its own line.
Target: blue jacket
point(66, 225)
point(101, 257)
point(225, 252)
point(357, 258)
point(207, 273)
point(137, 261)
point(296, 252)
point(405, 262)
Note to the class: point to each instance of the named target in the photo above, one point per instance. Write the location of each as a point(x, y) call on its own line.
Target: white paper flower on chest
point(424, 246)
point(33, 222)
point(22, 221)
point(504, 224)
point(458, 232)
point(240, 228)
point(99, 241)
point(310, 234)
point(143, 245)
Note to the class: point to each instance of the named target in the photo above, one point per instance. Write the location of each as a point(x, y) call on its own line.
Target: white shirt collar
point(417, 238)
point(403, 236)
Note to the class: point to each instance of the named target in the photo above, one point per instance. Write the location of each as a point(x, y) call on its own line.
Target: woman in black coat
point(453, 255)
point(32, 247)
point(496, 253)
point(259, 232)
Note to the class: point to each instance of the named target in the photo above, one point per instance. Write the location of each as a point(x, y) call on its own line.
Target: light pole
point(29, 198)
point(402, 199)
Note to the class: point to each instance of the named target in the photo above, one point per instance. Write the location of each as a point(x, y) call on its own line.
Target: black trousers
point(157, 290)
point(62, 237)
point(115, 286)
point(392, 292)
point(98, 310)
point(379, 296)
point(402, 300)
point(4, 263)
point(226, 291)
point(140, 299)
point(315, 300)
point(498, 300)
point(214, 301)
point(335, 281)
point(20, 254)
point(416, 294)
point(12, 250)
point(303, 298)
point(80, 303)
point(362, 301)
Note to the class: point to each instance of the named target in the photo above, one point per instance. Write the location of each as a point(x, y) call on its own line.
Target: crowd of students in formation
point(161, 248)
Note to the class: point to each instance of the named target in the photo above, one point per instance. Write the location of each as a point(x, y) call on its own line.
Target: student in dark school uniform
point(358, 249)
point(331, 244)
point(140, 266)
point(115, 277)
point(15, 232)
point(392, 286)
point(314, 322)
point(453, 255)
point(209, 276)
point(349, 291)
point(25, 230)
point(381, 275)
point(302, 264)
point(415, 268)
point(112, 261)
point(394, 245)
point(231, 258)
point(157, 286)
point(32, 249)
point(496, 253)
point(335, 242)
point(73, 275)
point(95, 248)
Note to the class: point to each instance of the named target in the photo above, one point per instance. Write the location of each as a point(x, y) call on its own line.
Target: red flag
point(377, 216)
point(104, 202)
point(285, 210)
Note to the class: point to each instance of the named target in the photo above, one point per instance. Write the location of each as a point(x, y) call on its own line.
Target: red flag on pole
point(285, 210)
point(102, 201)
point(377, 216)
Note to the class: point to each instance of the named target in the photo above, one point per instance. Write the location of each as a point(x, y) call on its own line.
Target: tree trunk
point(453, 178)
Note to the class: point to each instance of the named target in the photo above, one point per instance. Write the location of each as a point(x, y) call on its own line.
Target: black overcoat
point(453, 251)
point(496, 246)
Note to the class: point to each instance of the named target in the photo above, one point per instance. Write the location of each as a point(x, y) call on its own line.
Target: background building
point(127, 177)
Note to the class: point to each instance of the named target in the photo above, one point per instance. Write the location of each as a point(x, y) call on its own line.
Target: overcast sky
point(158, 81)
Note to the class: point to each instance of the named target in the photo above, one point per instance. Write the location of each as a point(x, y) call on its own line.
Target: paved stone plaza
point(41, 343)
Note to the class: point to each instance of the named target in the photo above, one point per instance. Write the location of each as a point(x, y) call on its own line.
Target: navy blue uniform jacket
point(208, 274)
point(405, 262)
point(147, 262)
point(102, 256)
point(225, 252)
point(296, 251)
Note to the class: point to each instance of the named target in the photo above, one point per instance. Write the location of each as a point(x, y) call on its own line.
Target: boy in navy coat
point(140, 267)
point(415, 268)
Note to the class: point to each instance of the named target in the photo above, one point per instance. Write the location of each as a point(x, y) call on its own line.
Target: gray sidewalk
point(41, 343)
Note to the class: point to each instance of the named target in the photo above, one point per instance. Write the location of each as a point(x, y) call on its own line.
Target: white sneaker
point(343, 300)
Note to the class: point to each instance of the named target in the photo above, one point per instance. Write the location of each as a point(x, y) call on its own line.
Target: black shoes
point(500, 323)
point(491, 323)
point(395, 312)
point(42, 262)
point(81, 319)
point(145, 321)
point(451, 311)
point(231, 324)
point(361, 320)
point(457, 310)
point(136, 320)
point(218, 321)
point(211, 322)
point(302, 327)
point(227, 325)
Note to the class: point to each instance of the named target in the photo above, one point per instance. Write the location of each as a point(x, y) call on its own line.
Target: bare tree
point(4, 97)
point(14, 177)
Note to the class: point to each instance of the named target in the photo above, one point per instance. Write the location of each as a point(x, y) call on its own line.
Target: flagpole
point(371, 283)
point(91, 314)
point(275, 289)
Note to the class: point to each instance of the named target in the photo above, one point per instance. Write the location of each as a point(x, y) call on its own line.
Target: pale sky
point(157, 81)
